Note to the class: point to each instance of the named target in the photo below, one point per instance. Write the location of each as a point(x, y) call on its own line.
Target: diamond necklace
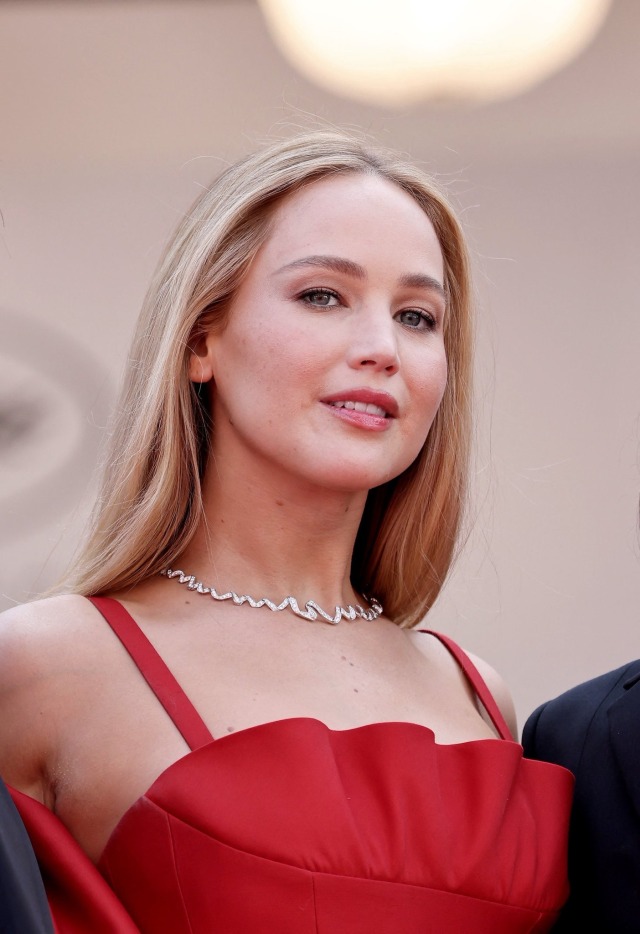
point(311, 611)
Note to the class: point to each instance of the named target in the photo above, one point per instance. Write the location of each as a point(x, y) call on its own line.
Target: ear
point(201, 357)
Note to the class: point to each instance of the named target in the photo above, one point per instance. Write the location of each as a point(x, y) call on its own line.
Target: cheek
point(430, 386)
point(443, 378)
point(252, 353)
point(287, 362)
point(263, 369)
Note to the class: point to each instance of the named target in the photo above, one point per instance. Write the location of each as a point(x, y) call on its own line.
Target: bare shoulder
point(46, 610)
point(40, 647)
point(436, 650)
point(499, 690)
point(38, 634)
point(45, 641)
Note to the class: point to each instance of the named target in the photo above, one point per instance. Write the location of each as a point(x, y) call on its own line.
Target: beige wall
point(112, 115)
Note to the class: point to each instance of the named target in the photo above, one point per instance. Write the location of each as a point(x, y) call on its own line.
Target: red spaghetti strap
point(155, 672)
point(477, 682)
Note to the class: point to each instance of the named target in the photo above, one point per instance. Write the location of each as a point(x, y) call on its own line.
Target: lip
point(363, 394)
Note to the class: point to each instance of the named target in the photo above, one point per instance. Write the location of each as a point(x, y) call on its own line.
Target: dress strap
point(477, 682)
point(152, 668)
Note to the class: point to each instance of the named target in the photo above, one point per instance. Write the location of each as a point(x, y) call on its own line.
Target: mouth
point(364, 401)
point(367, 407)
point(363, 408)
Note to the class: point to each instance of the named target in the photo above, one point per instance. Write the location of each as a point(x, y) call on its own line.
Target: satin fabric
point(293, 828)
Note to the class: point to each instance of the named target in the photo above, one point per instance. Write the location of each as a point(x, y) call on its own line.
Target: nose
point(374, 344)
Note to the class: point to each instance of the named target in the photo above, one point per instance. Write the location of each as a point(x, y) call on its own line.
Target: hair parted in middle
point(151, 502)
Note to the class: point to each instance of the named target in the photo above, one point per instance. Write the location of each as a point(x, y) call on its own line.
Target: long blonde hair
point(150, 501)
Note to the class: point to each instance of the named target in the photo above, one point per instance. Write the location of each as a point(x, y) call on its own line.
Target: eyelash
point(306, 296)
point(430, 323)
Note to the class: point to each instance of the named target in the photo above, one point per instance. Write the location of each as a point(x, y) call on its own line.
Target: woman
point(294, 424)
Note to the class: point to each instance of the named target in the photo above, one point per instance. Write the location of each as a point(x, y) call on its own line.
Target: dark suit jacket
point(594, 730)
point(23, 905)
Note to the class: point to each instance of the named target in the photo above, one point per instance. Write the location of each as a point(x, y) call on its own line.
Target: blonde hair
point(151, 500)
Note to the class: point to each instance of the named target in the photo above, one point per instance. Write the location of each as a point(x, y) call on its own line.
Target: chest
point(119, 738)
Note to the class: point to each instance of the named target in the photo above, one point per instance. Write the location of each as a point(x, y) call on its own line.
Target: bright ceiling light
point(396, 52)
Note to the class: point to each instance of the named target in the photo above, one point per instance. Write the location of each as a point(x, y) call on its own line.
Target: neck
point(265, 538)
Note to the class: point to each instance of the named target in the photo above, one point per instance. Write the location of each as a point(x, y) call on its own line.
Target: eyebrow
point(334, 263)
point(356, 271)
point(420, 280)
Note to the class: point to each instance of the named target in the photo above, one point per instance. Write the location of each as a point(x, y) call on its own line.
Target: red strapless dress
point(292, 828)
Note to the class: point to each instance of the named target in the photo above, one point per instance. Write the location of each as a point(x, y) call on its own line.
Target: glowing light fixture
point(396, 52)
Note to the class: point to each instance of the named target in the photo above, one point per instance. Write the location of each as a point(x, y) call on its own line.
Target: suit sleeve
point(556, 731)
point(23, 905)
point(530, 734)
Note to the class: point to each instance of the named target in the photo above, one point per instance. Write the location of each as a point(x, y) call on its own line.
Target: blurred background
point(114, 114)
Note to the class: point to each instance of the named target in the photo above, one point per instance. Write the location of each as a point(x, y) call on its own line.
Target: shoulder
point(41, 651)
point(46, 640)
point(582, 700)
point(496, 686)
point(38, 633)
point(498, 690)
point(559, 726)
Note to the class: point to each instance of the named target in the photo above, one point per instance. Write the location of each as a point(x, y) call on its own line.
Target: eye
point(320, 298)
point(416, 320)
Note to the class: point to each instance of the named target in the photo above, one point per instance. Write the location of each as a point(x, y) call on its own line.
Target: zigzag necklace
point(311, 611)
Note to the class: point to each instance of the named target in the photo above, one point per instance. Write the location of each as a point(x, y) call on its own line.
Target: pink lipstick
point(364, 408)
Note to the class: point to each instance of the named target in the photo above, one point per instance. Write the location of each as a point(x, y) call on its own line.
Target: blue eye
point(416, 320)
point(320, 298)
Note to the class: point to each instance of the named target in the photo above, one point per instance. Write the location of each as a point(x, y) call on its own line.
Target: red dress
point(292, 828)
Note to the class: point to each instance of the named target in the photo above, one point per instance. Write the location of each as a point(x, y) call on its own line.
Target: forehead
point(350, 212)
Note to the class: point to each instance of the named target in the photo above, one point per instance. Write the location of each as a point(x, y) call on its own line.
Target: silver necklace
point(311, 611)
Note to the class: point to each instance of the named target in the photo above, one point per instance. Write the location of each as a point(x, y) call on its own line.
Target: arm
point(50, 657)
point(40, 655)
point(25, 716)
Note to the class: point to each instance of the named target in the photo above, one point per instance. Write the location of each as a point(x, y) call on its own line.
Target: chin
point(360, 479)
